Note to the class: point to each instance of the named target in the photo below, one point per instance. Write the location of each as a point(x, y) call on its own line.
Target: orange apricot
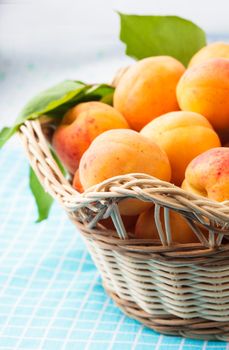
point(214, 50)
point(148, 89)
point(120, 152)
point(208, 174)
point(76, 182)
point(80, 125)
point(204, 89)
point(182, 135)
point(129, 223)
point(146, 227)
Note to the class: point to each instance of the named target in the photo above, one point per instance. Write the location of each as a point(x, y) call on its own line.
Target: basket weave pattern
point(180, 289)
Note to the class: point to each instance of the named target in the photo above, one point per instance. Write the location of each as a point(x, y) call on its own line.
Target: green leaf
point(89, 93)
point(50, 99)
point(102, 92)
point(55, 101)
point(43, 199)
point(174, 36)
point(6, 133)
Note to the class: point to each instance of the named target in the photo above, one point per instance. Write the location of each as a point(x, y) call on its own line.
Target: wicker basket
point(177, 289)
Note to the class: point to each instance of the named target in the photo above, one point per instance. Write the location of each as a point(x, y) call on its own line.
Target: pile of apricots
point(166, 121)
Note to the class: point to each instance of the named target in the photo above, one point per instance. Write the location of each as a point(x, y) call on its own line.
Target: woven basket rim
point(103, 190)
point(107, 184)
point(189, 195)
point(103, 197)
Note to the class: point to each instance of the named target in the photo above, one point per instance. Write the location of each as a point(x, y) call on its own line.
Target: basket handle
point(140, 186)
point(43, 163)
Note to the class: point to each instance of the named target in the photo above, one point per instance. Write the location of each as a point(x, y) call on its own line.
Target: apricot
point(80, 125)
point(204, 89)
point(182, 135)
point(120, 152)
point(214, 50)
point(208, 174)
point(128, 221)
point(148, 89)
point(180, 231)
point(76, 182)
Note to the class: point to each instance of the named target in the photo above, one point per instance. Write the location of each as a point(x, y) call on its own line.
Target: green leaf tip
point(146, 36)
point(6, 133)
point(43, 200)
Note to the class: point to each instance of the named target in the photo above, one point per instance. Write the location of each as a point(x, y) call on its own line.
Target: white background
point(39, 24)
point(45, 41)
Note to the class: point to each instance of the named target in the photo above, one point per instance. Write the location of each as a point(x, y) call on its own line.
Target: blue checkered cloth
point(51, 295)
